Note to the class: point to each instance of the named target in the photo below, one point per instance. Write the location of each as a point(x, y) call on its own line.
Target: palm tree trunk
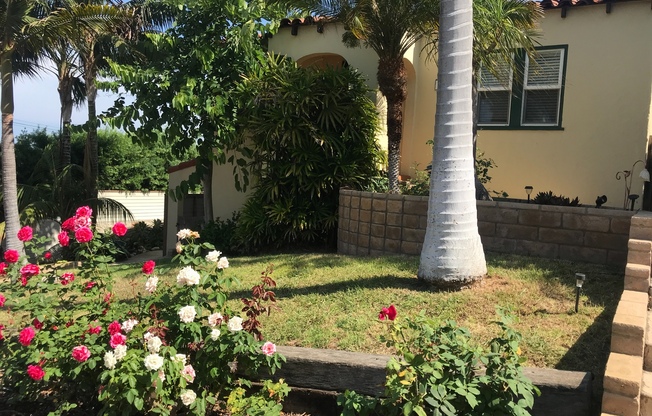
point(91, 150)
point(65, 98)
point(452, 253)
point(392, 82)
point(9, 183)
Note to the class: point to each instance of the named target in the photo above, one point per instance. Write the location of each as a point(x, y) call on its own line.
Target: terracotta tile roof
point(556, 4)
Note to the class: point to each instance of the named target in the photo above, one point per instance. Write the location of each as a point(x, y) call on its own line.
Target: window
point(530, 97)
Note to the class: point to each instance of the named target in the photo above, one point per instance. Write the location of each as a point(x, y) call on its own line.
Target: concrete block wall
point(375, 224)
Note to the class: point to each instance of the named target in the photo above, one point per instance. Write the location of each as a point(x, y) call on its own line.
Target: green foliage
point(438, 371)
point(419, 184)
point(142, 237)
point(308, 133)
point(221, 233)
point(548, 198)
point(265, 402)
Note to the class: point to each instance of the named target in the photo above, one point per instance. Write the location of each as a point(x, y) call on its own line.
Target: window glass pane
point(545, 70)
point(502, 81)
point(493, 107)
point(540, 107)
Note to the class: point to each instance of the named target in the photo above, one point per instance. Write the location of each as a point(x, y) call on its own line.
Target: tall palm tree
point(390, 28)
point(452, 253)
point(29, 26)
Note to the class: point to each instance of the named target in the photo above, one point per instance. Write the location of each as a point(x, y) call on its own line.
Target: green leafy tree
point(309, 132)
point(390, 28)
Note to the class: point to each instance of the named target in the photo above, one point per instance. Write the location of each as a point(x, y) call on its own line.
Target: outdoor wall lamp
point(627, 177)
point(579, 282)
point(528, 191)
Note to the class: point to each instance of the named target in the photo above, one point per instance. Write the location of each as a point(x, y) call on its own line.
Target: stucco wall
point(377, 224)
point(606, 108)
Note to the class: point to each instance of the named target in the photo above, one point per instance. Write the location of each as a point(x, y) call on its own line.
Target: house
point(573, 126)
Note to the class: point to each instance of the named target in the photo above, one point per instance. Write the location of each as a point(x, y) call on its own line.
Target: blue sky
point(36, 104)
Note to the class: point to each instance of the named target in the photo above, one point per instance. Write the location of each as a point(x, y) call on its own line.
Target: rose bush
point(68, 343)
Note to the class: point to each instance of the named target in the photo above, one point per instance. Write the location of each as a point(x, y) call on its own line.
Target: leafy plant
point(309, 132)
point(419, 184)
point(221, 233)
point(437, 370)
point(142, 237)
point(548, 198)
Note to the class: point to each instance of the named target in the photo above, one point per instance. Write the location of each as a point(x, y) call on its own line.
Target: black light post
point(528, 191)
point(579, 281)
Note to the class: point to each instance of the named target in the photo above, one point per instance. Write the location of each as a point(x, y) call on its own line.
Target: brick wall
point(375, 224)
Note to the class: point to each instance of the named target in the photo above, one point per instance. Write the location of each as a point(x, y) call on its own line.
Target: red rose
point(81, 353)
point(107, 297)
point(2, 300)
point(2, 337)
point(35, 372)
point(148, 267)
point(84, 235)
point(25, 233)
point(89, 285)
point(26, 336)
point(69, 324)
point(114, 327)
point(119, 229)
point(94, 329)
point(23, 280)
point(30, 270)
point(47, 255)
point(11, 256)
point(3, 268)
point(117, 339)
point(37, 324)
point(84, 211)
point(64, 239)
point(67, 278)
point(389, 313)
point(69, 224)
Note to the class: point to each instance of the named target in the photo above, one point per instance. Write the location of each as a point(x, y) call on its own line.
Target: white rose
point(110, 360)
point(215, 319)
point(235, 324)
point(120, 352)
point(188, 397)
point(147, 336)
point(151, 283)
point(188, 276)
point(129, 325)
point(215, 334)
point(161, 375)
point(180, 358)
point(223, 263)
point(154, 344)
point(187, 314)
point(213, 256)
point(153, 362)
point(185, 233)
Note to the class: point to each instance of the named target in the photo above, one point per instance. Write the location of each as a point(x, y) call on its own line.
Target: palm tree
point(390, 28)
point(29, 26)
point(452, 253)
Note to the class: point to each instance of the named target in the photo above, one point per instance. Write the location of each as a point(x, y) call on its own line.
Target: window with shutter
point(494, 96)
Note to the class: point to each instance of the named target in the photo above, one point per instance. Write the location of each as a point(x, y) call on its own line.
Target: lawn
point(332, 301)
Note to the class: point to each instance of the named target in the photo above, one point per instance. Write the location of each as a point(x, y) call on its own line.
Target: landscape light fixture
point(579, 282)
point(528, 191)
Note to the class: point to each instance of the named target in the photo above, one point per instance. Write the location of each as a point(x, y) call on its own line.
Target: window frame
point(517, 101)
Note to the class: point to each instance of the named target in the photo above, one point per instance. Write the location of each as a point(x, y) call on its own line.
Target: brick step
point(646, 394)
point(629, 324)
point(622, 384)
point(637, 277)
point(647, 358)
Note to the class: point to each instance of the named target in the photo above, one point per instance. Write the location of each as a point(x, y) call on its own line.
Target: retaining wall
point(376, 224)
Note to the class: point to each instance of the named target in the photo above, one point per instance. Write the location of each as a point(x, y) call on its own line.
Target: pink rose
point(81, 222)
point(37, 324)
point(2, 337)
point(47, 255)
point(148, 267)
point(389, 313)
point(26, 336)
point(11, 256)
point(3, 268)
point(64, 239)
point(188, 373)
point(89, 286)
point(2, 300)
point(114, 327)
point(84, 211)
point(94, 329)
point(25, 233)
point(119, 229)
point(35, 372)
point(69, 224)
point(81, 353)
point(117, 339)
point(30, 270)
point(67, 278)
point(83, 235)
point(268, 348)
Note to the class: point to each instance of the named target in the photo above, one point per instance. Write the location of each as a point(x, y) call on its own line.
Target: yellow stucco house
point(569, 128)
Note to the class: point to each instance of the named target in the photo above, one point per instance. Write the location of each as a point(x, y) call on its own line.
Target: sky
point(36, 104)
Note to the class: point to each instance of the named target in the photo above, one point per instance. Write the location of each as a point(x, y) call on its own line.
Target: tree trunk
point(207, 182)
point(392, 82)
point(452, 253)
point(65, 98)
point(91, 150)
point(9, 183)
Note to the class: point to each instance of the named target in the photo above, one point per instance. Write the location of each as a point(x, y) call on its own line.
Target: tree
point(390, 28)
point(27, 27)
point(452, 253)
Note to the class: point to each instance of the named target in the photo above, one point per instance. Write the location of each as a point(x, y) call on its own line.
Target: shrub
point(309, 132)
point(142, 237)
point(437, 370)
point(176, 349)
point(221, 233)
point(548, 198)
